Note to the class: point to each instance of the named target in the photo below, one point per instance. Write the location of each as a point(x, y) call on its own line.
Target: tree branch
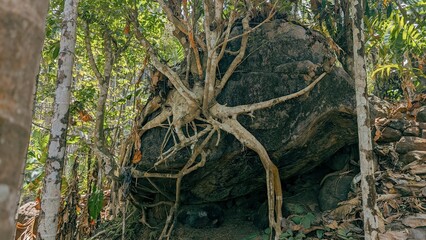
point(211, 31)
point(231, 21)
point(92, 62)
point(271, 14)
point(108, 159)
point(172, 18)
point(191, 40)
point(237, 60)
point(224, 111)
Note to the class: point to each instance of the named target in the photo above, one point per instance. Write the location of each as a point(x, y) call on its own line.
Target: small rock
point(418, 233)
point(411, 131)
point(334, 190)
point(410, 123)
point(403, 190)
point(390, 135)
point(204, 216)
point(416, 220)
point(395, 226)
point(419, 169)
point(339, 160)
point(393, 235)
point(378, 107)
point(260, 218)
point(423, 191)
point(422, 125)
point(413, 156)
point(423, 133)
point(421, 115)
point(408, 144)
point(397, 124)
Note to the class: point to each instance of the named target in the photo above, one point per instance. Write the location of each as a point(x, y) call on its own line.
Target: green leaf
point(320, 233)
point(296, 208)
point(389, 10)
point(267, 231)
point(296, 219)
point(73, 139)
point(300, 236)
point(96, 201)
point(404, 35)
point(55, 50)
point(306, 222)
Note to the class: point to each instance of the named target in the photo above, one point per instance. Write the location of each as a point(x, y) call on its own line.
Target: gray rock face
point(421, 115)
point(412, 131)
point(390, 135)
point(205, 216)
point(334, 190)
point(300, 134)
point(413, 156)
point(408, 144)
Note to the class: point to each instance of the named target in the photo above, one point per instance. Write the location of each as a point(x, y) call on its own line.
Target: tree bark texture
point(51, 195)
point(21, 39)
point(369, 196)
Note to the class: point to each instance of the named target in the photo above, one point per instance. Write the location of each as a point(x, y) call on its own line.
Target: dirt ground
point(237, 226)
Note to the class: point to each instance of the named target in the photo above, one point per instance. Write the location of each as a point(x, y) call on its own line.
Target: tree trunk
point(347, 43)
point(103, 84)
point(369, 196)
point(51, 196)
point(21, 39)
point(106, 161)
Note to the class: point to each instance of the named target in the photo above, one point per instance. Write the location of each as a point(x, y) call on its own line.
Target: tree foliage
point(396, 43)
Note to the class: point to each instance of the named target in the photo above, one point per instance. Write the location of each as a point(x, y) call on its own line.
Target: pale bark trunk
point(369, 196)
point(51, 195)
point(22, 25)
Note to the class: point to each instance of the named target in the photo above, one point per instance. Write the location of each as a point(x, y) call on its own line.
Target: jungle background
point(109, 54)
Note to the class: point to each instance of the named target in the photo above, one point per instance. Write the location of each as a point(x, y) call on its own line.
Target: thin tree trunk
point(347, 43)
point(21, 38)
point(369, 195)
point(51, 195)
point(106, 160)
point(103, 84)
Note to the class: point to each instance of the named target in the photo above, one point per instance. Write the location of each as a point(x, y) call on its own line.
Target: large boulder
point(299, 135)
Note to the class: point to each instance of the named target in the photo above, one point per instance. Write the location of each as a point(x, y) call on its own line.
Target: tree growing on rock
point(204, 29)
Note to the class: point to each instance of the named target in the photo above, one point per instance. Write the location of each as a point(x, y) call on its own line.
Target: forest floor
point(237, 226)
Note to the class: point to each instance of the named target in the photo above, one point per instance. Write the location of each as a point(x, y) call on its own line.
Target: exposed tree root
point(189, 167)
point(273, 181)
